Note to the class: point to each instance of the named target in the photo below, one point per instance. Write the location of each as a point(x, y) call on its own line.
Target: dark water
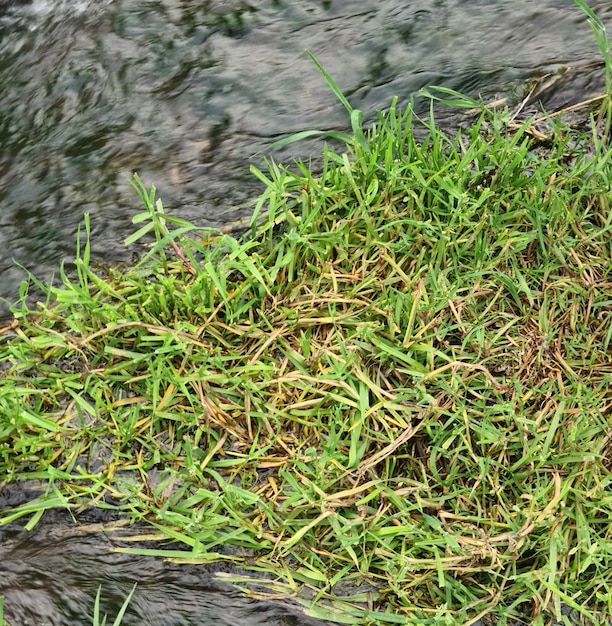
point(184, 92)
point(50, 576)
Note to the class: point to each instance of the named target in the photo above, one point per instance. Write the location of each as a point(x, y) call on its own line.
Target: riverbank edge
point(394, 394)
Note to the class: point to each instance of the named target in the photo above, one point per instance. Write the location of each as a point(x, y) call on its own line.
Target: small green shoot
point(99, 620)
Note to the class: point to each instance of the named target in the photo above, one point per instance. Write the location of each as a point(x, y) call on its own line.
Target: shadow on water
point(50, 576)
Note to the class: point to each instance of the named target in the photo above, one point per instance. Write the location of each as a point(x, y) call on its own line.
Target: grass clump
point(394, 394)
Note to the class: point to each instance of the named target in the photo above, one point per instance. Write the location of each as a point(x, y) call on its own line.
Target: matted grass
point(394, 394)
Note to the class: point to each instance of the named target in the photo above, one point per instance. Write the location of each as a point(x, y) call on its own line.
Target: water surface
point(51, 574)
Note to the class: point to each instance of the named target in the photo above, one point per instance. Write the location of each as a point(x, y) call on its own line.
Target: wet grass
point(394, 395)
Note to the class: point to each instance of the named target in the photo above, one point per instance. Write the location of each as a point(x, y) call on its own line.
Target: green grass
point(100, 620)
point(394, 394)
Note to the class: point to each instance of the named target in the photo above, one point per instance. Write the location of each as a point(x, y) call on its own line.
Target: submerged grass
point(394, 395)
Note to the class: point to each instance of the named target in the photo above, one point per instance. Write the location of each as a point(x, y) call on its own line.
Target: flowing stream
point(50, 576)
point(184, 92)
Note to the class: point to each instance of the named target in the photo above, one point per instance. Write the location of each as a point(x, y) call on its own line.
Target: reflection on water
point(50, 577)
point(183, 92)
